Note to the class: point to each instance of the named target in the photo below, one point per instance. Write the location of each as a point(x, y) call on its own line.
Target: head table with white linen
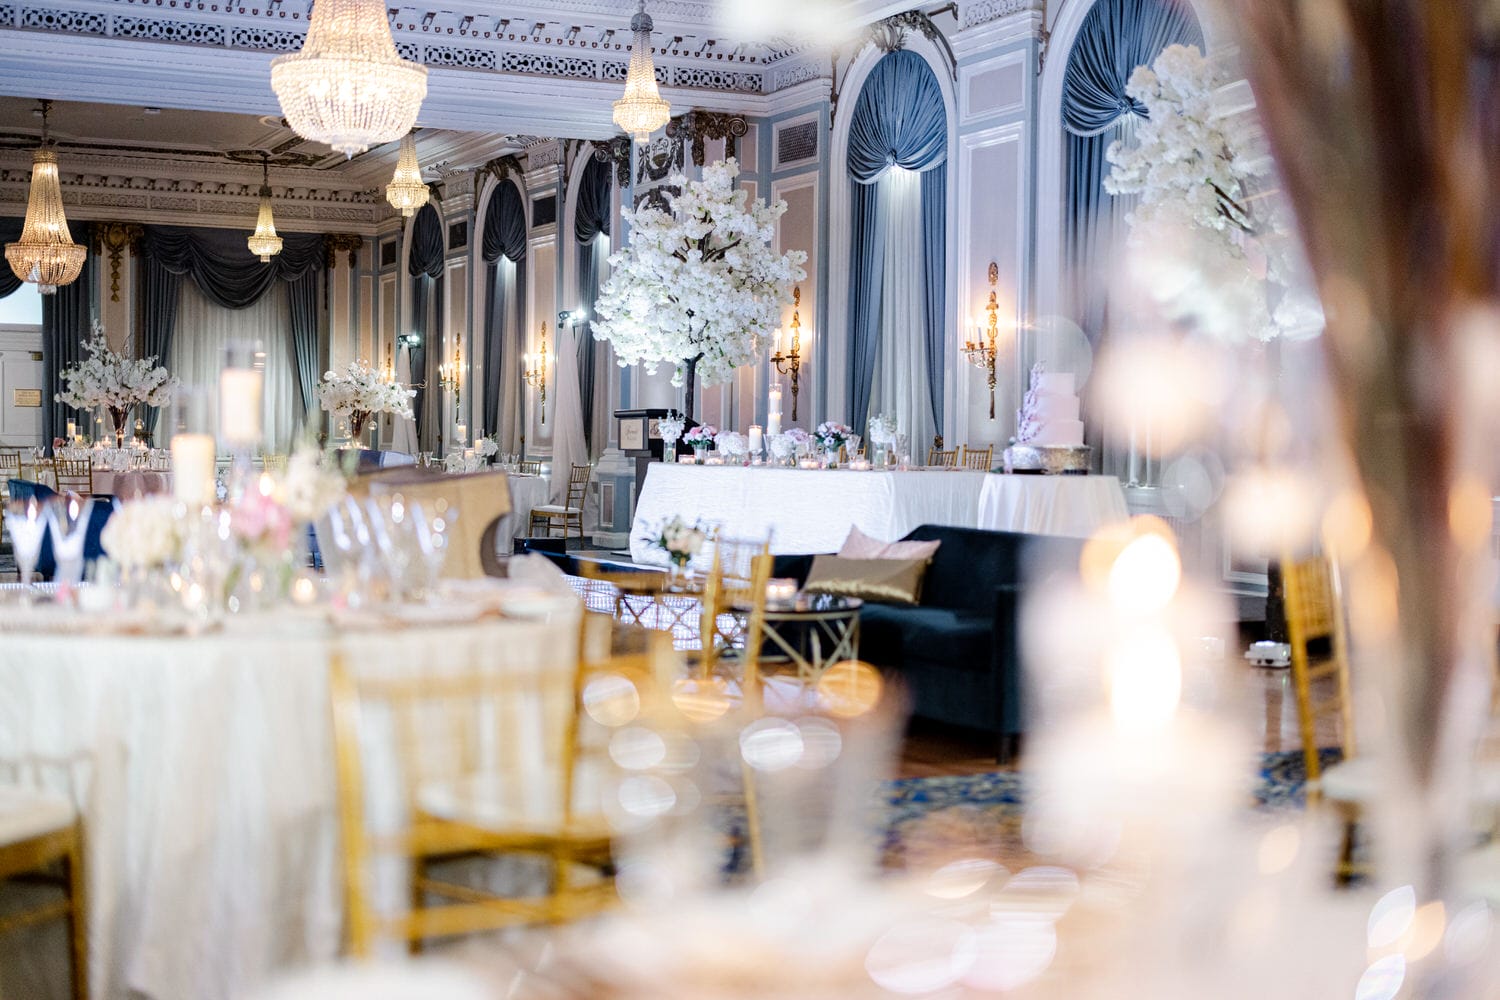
point(1075, 506)
point(203, 770)
point(802, 510)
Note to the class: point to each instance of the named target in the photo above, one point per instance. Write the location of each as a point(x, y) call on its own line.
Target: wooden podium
point(640, 439)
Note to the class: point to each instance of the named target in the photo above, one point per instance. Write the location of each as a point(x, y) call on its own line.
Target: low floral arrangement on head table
point(701, 436)
point(732, 444)
point(360, 392)
point(486, 447)
point(832, 435)
point(883, 429)
point(680, 540)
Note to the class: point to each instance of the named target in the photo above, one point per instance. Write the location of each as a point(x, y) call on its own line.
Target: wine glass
point(434, 531)
point(390, 522)
point(69, 517)
point(27, 524)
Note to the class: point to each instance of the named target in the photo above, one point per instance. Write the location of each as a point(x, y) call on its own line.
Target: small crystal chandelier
point(45, 254)
point(641, 110)
point(264, 242)
point(406, 191)
point(348, 87)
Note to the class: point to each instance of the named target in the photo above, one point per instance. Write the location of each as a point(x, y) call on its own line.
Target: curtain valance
point(222, 266)
point(10, 231)
point(1117, 36)
point(504, 225)
point(899, 119)
point(592, 217)
point(426, 255)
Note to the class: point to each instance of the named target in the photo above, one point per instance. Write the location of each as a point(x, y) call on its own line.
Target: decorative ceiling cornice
point(699, 126)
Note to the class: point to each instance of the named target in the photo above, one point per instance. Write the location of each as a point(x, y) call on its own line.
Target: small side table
point(810, 633)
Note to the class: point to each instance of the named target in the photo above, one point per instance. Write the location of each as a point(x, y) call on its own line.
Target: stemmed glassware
point(26, 522)
point(391, 524)
point(434, 532)
point(69, 517)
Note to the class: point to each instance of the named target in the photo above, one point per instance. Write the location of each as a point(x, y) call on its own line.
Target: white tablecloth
point(526, 492)
point(203, 769)
point(802, 510)
point(1076, 506)
point(131, 484)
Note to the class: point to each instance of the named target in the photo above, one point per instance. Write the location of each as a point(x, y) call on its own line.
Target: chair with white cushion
point(40, 830)
point(569, 513)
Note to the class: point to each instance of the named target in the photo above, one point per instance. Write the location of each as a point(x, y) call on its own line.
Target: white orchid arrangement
point(143, 533)
point(670, 427)
point(1216, 250)
point(698, 287)
point(360, 392)
point(883, 429)
point(486, 447)
point(105, 378)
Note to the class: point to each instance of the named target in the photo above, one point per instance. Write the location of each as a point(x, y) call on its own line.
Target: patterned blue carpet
point(986, 809)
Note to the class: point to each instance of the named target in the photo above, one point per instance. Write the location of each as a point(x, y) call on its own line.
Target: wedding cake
point(1049, 433)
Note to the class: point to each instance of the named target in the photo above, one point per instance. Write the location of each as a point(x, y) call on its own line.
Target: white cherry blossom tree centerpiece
point(359, 392)
point(112, 381)
point(698, 287)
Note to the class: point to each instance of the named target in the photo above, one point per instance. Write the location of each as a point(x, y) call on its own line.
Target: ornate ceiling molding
point(699, 126)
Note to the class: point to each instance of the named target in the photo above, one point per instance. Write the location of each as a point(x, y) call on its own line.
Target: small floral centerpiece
point(487, 447)
point(734, 446)
point(681, 541)
point(670, 428)
point(882, 436)
point(112, 381)
point(359, 392)
point(783, 446)
point(143, 534)
point(313, 483)
point(831, 436)
point(701, 438)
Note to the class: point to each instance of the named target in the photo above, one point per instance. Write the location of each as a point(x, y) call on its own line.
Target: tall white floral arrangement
point(698, 287)
point(108, 379)
point(1218, 237)
point(359, 391)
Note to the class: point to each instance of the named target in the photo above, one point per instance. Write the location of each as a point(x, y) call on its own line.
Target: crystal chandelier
point(406, 190)
point(45, 254)
point(641, 110)
point(348, 87)
point(264, 242)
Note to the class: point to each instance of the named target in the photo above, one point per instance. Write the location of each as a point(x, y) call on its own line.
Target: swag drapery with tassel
point(591, 230)
point(223, 269)
point(503, 247)
point(900, 121)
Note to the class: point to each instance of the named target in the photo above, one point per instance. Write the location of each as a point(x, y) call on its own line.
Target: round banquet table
point(203, 770)
point(1076, 506)
point(131, 484)
point(526, 492)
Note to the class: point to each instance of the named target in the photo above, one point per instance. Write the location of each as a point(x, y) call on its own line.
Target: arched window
point(898, 148)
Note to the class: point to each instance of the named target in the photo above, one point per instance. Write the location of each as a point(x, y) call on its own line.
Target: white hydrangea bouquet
point(1218, 247)
point(312, 483)
point(107, 379)
point(698, 287)
point(734, 445)
point(143, 534)
point(359, 392)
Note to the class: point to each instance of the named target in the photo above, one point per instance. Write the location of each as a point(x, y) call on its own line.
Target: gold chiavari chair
point(735, 591)
point(945, 459)
point(1315, 614)
point(529, 468)
point(10, 468)
point(38, 832)
point(982, 460)
point(493, 760)
point(74, 475)
point(569, 513)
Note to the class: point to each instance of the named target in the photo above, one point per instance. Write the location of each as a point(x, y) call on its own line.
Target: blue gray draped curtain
point(67, 323)
point(899, 121)
point(229, 275)
point(10, 231)
point(504, 237)
point(590, 222)
point(425, 265)
point(1115, 37)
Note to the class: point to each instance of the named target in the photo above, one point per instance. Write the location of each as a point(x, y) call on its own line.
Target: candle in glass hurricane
point(239, 406)
point(773, 417)
point(757, 441)
point(193, 469)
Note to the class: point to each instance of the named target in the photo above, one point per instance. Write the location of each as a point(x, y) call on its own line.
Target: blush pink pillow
point(861, 546)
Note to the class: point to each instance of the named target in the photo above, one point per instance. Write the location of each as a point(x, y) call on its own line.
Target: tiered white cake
point(1049, 416)
point(1049, 433)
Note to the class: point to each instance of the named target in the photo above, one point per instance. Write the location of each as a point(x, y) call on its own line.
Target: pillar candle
point(756, 444)
point(773, 418)
point(461, 434)
point(239, 406)
point(193, 468)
